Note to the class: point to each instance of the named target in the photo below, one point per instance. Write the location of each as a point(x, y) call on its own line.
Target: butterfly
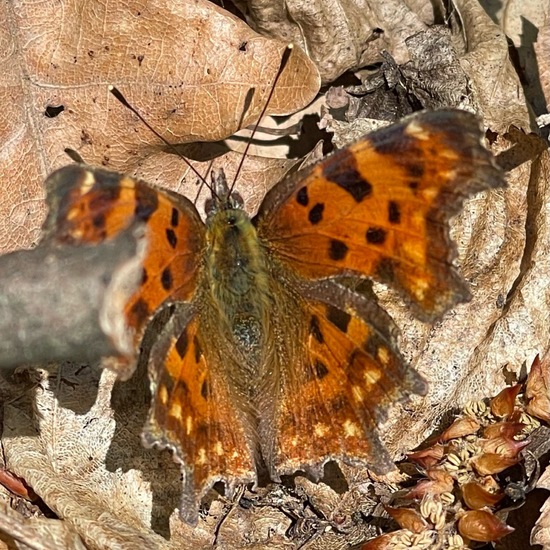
point(277, 356)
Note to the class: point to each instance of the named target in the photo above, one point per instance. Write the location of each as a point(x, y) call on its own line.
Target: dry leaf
point(541, 531)
point(542, 50)
point(37, 533)
point(495, 84)
point(341, 35)
point(187, 66)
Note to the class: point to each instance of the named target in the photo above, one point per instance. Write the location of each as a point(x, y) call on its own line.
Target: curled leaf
point(504, 403)
point(506, 429)
point(504, 446)
point(427, 457)
point(491, 463)
point(17, 485)
point(476, 496)
point(439, 482)
point(482, 526)
point(408, 519)
point(538, 388)
point(460, 427)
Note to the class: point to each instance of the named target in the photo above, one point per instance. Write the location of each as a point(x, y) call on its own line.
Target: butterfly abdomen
point(236, 274)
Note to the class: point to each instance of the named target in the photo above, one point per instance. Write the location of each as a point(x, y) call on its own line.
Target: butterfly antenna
point(199, 190)
point(118, 94)
point(282, 65)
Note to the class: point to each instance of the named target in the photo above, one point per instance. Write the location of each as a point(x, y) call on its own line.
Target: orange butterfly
point(271, 356)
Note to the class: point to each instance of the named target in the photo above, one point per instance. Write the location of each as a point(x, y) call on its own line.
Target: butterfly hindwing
point(341, 383)
point(90, 205)
point(380, 208)
point(193, 414)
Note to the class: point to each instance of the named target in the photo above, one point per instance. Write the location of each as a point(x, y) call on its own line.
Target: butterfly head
point(223, 198)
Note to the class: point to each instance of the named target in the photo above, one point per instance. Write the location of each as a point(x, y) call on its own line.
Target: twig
point(67, 303)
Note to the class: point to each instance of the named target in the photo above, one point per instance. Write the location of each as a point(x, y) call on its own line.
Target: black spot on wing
point(182, 344)
point(415, 170)
point(198, 349)
point(337, 250)
point(144, 276)
point(376, 235)
point(147, 202)
point(342, 170)
point(394, 212)
point(315, 330)
point(98, 221)
point(316, 213)
point(174, 219)
point(340, 319)
point(321, 370)
point(302, 197)
point(166, 279)
point(205, 389)
point(171, 237)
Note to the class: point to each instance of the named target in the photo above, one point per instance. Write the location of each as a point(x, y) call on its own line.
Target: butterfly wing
point(380, 207)
point(90, 205)
point(193, 414)
point(337, 387)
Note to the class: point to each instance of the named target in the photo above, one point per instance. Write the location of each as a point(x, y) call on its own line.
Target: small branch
point(67, 302)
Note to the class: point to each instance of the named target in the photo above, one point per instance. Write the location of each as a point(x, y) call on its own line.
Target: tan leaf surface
point(341, 35)
point(542, 49)
point(188, 66)
point(541, 531)
point(526, 26)
point(495, 84)
point(37, 533)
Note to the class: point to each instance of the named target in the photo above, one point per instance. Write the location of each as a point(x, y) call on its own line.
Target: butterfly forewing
point(90, 205)
point(380, 208)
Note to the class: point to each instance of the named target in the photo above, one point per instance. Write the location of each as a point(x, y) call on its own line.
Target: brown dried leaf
point(538, 388)
point(37, 533)
point(525, 24)
point(341, 35)
point(503, 243)
point(187, 66)
point(504, 403)
point(408, 519)
point(460, 427)
point(65, 460)
point(541, 531)
point(482, 526)
point(492, 463)
point(492, 76)
point(439, 482)
point(429, 457)
point(542, 51)
point(504, 429)
point(475, 496)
